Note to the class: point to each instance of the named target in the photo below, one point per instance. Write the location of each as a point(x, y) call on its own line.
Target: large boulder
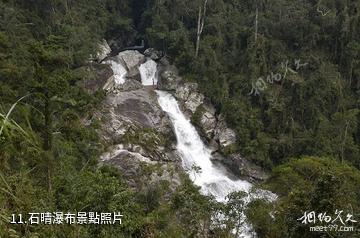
point(103, 52)
point(129, 163)
point(137, 108)
point(241, 167)
point(189, 96)
point(119, 72)
point(132, 59)
point(182, 92)
point(195, 99)
point(224, 135)
point(132, 166)
point(112, 86)
point(135, 119)
point(169, 79)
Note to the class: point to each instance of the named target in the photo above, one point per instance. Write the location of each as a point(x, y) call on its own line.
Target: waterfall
point(119, 71)
point(148, 72)
point(118, 68)
point(213, 179)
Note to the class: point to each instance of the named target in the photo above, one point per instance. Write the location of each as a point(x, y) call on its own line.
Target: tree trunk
point(200, 26)
point(256, 24)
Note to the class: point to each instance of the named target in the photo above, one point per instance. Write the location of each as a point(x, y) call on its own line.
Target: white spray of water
point(213, 179)
point(148, 73)
point(119, 71)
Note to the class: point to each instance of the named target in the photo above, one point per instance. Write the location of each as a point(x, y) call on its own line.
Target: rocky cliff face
point(210, 124)
point(137, 132)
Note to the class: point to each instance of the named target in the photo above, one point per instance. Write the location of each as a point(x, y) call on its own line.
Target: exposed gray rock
point(224, 135)
point(208, 120)
point(119, 71)
point(133, 109)
point(129, 85)
point(194, 100)
point(169, 79)
point(216, 156)
point(241, 167)
point(131, 165)
point(110, 84)
point(189, 96)
point(183, 91)
point(104, 51)
point(132, 59)
point(153, 54)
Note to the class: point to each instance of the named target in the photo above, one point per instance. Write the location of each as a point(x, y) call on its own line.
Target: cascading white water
point(213, 179)
point(119, 71)
point(148, 72)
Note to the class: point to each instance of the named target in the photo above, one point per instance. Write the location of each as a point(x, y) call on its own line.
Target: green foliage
point(291, 117)
point(147, 138)
point(48, 158)
point(305, 185)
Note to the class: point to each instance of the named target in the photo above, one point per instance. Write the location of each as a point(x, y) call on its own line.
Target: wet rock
point(213, 145)
point(216, 156)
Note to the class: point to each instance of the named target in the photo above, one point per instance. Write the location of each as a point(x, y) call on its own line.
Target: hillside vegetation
point(286, 74)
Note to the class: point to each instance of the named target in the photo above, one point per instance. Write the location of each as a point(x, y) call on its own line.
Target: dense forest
point(286, 74)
